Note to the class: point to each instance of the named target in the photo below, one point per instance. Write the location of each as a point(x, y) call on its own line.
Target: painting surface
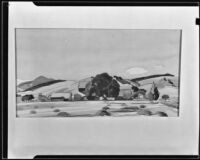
point(97, 72)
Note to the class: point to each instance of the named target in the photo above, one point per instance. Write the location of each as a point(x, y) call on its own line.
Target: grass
point(33, 112)
point(144, 112)
point(36, 107)
point(105, 108)
point(131, 107)
point(56, 110)
point(63, 114)
point(143, 106)
point(124, 104)
point(103, 113)
point(161, 114)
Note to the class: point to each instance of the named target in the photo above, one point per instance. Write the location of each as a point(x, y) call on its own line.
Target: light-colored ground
point(88, 108)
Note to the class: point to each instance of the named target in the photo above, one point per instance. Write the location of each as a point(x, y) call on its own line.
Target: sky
point(80, 53)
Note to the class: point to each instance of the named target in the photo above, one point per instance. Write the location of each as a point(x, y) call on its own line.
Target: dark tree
point(135, 89)
point(104, 84)
point(156, 93)
point(27, 97)
point(113, 89)
point(143, 90)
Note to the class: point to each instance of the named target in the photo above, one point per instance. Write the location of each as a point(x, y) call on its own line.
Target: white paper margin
point(28, 137)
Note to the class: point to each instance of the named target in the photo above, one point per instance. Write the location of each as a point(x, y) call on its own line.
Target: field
point(95, 108)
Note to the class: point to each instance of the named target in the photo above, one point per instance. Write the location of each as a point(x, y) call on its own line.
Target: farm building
point(126, 91)
point(61, 97)
point(83, 83)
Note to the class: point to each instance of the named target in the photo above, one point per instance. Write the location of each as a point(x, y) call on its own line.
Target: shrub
point(144, 112)
point(119, 98)
point(105, 108)
point(130, 109)
point(56, 110)
point(103, 113)
point(165, 97)
point(143, 106)
point(124, 104)
point(63, 114)
point(43, 98)
point(33, 112)
point(27, 97)
point(161, 114)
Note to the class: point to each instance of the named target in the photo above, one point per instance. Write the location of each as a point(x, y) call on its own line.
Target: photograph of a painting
point(79, 72)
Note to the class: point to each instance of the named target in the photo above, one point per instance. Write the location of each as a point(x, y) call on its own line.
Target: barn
point(83, 83)
point(61, 97)
point(126, 91)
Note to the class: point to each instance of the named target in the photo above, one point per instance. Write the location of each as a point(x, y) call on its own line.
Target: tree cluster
point(102, 85)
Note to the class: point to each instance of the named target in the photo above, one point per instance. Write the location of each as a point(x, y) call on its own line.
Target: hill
point(37, 81)
point(40, 80)
point(151, 76)
point(43, 84)
point(49, 88)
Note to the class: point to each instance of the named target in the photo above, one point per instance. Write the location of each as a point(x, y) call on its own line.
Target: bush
point(43, 98)
point(63, 114)
point(33, 112)
point(27, 97)
point(119, 98)
point(56, 110)
point(105, 108)
point(143, 106)
point(130, 109)
point(144, 112)
point(77, 97)
point(36, 107)
point(103, 113)
point(161, 114)
point(124, 104)
point(165, 97)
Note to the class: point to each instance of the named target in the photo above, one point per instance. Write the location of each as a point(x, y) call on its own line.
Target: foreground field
point(94, 108)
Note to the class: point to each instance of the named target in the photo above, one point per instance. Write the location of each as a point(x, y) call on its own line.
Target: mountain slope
point(43, 84)
point(49, 89)
point(19, 81)
point(39, 80)
point(151, 76)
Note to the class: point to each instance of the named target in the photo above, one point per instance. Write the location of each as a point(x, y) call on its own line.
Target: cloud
point(136, 70)
point(158, 67)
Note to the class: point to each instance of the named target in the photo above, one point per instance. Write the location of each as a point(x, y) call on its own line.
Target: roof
point(83, 82)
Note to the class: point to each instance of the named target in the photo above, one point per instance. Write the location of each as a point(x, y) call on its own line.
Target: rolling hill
point(37, 81)
point(166, 83)
point(152, 76)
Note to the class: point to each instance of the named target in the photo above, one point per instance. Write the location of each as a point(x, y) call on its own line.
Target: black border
point(4, 79)
point(117, 3)
point(116, 157)
point(4, 72)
